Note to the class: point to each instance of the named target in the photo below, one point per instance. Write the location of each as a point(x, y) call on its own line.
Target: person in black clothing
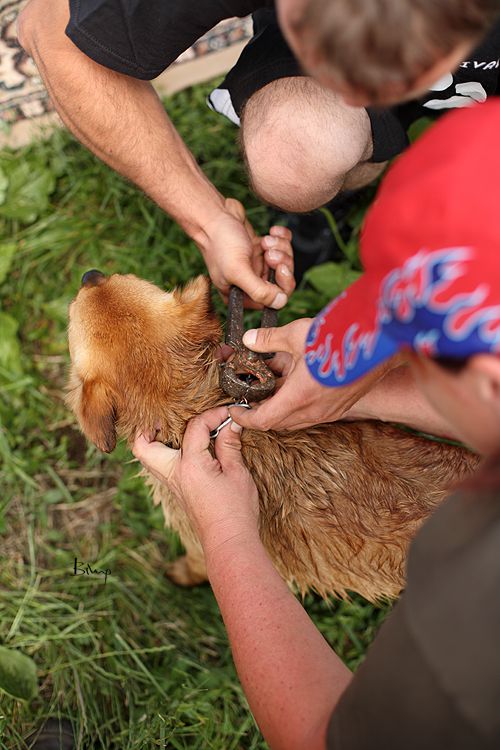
point(303, 143)
point(431, 289)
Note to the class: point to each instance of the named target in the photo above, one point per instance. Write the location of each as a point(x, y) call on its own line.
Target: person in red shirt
point(431, 292)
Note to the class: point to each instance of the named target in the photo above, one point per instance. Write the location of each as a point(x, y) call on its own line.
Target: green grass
point(135, 662)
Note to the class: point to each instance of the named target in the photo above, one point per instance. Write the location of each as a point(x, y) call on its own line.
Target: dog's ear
point(196, 291)
point(196, 310)
point(96, 415)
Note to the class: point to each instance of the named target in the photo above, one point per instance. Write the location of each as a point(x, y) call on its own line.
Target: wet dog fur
point(339, 502)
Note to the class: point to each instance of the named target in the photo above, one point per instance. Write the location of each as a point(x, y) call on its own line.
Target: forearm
point(290, 675)
point(120, 119)
point(396, 398)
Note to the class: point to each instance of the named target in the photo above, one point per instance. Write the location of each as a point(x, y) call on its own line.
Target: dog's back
point(340, 502)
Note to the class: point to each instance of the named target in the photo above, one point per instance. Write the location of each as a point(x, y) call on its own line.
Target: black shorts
point(267, 57)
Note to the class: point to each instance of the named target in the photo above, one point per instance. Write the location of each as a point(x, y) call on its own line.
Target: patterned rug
point(22, 93)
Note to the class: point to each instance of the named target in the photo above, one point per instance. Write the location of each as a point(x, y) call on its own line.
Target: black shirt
point(143, 37)
point(431, 680)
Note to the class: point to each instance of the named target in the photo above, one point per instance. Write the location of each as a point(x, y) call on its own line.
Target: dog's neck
point(191, 389)
point(195, 388)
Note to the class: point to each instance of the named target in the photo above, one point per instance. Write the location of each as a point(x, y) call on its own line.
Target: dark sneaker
point(55, 734)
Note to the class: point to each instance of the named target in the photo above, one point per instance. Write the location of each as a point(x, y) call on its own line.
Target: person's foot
point(55, 734)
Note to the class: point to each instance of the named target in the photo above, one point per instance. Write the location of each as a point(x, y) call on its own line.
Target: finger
point(279, 231)
point(197, 435)
point(274, 245)
point(282, 264)
point(237, 210)
point(285, 279)
point(253, 419)
point(228, 447)
point(275, 413)
point(284, 267)
point(267, 339)
point(275, 258)
point(249, 304)
point(258, 290)
point(155, 457)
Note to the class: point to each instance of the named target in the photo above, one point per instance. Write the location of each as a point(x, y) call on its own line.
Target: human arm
point(290, 675)
point(122, 120)
point(397, 398)
point(389, 393)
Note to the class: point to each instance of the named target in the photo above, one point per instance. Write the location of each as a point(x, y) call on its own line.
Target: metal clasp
point(214, 433)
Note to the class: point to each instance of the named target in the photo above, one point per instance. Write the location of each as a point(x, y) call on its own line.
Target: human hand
point(299, 400)
point(217, 494)
point(235, 255)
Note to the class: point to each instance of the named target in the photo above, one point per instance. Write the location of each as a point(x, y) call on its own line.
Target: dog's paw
point(186, 572)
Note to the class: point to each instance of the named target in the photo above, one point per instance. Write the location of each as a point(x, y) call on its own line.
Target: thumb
point(155, 457)
point(228, 447)
point(268, 414)
point(267, 339)
point(235, 208)
point(258, 289)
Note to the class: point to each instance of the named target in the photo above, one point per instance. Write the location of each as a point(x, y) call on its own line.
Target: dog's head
point(139, 356)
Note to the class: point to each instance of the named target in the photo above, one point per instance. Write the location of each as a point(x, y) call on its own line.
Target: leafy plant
point(25, 188)
point(17, 674)
point(331, 278)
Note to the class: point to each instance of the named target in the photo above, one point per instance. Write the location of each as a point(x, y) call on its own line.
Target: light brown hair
point(371, 44)
point(339, 502)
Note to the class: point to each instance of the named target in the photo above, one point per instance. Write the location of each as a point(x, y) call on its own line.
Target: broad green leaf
point(28, 190)
point(331, 278)
point(7, 250)
point(17, 674)
point(10, 351)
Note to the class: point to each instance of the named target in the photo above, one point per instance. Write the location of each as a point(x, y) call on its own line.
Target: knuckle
point(285, 247)
point(241, 418)
point(261, 293)
point(288, 284)
point(263, 422)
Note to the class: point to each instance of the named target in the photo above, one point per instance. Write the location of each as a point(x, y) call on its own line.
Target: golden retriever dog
point(339, 502)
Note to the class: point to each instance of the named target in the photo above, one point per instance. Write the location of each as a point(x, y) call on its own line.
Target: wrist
point(220, 221)
point(227, 538)
point(205, 205)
